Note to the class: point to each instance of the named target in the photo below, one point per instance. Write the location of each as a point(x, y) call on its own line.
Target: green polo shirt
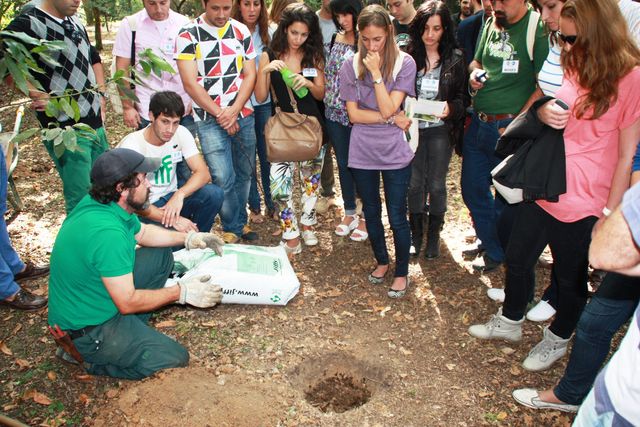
point(507, 92)
point(95, 241)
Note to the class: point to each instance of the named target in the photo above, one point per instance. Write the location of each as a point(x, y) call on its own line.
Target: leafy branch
point(18, 61)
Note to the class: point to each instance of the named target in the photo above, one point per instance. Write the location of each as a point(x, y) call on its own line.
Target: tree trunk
point(98, 32)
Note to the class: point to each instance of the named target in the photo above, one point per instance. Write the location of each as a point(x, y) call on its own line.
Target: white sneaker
point(529, 398)
point(498, 327)
point(496, 294)
point(547, 351)
point(309, 237)
point(542, 312)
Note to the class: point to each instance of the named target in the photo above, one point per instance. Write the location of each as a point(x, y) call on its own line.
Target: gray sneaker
point(498, 327)
point(547, 351)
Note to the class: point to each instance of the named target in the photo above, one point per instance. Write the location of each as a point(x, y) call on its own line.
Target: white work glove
point(197, 240)
point(198, 291)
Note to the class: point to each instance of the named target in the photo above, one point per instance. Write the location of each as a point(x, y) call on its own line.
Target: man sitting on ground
point(102, 290)
point(189, 206)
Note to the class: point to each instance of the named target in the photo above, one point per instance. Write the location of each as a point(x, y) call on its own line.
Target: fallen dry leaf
point(450, 366)
point(37, 397)
point(6, 350)
point(84, 399)
point(166, 324)
point(501, 416)
point(209, 324)
point(52, 375)
point(16, 329)
point(84, 377)
point(507, 350)
point(405, 351)
point(111, 393)
point(23, 364)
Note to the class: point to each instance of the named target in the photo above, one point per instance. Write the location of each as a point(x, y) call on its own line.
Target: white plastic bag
point(247, 274)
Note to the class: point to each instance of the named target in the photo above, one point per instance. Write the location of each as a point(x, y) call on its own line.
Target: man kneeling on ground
point(189, 206)
point(102, 290)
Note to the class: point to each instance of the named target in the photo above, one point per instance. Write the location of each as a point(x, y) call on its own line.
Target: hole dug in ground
point(337, 382)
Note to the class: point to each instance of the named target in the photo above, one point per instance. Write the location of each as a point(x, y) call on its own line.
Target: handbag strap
point(292, 100)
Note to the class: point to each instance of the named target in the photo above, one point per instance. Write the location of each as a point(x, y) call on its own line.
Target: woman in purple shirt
point(374, 84)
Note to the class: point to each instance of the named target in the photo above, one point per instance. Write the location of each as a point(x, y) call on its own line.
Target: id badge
point(309, 72)
point(176, 156)
point(429, 85)
point(168, 47)
point(510, 66)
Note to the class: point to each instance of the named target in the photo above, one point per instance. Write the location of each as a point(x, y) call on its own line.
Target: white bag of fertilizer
point(247, 274)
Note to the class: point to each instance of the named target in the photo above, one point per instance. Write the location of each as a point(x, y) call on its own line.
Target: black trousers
point(532, 230)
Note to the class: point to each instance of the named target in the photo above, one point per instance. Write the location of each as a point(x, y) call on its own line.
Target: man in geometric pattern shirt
point(216, 61)
point(79, 61)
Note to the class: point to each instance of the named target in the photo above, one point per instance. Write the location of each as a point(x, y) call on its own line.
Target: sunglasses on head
point(567, 39)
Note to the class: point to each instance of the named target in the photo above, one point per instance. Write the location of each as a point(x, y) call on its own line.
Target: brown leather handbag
point(292, 137)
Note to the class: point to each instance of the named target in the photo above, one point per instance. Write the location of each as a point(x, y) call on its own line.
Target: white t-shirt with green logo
point(181, 146)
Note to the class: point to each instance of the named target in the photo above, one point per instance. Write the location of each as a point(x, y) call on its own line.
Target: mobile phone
point(560, 103)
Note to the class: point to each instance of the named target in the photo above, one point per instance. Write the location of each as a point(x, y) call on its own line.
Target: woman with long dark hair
point(296, 46)
point(601, 132)
point(442, 76)
point(253, 14)
point(374, 84)
point(344, 46)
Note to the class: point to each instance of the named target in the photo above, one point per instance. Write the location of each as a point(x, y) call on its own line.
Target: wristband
point(606, 211)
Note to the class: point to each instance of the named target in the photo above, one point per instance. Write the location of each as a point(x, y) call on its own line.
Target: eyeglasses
point(567, 39)
point(72, 30)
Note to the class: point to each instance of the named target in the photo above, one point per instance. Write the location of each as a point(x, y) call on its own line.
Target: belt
point(78, 333)
point(488, 118)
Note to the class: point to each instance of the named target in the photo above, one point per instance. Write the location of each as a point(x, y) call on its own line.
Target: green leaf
point(69, 139)
point(76, 109)
point(26, 134)
point(146, 67)
point(118, 75)
point(20, 36)
point(18, 77)
point(65, 105)
point(52, 109)
point(58, 147)
point(84, 127)
point(52, 134)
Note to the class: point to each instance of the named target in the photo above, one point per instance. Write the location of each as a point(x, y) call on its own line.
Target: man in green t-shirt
point(509, 55)
point(102, 289)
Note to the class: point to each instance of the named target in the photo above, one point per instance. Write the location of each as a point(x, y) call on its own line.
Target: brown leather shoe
point(25, 300)
point(32, 271)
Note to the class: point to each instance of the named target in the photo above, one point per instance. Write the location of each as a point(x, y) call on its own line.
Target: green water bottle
point(287, 76)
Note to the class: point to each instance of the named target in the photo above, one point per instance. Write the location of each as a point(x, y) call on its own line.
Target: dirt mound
point(195, 397)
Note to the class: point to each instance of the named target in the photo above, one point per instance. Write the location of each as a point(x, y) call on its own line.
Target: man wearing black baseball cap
point(102, 289)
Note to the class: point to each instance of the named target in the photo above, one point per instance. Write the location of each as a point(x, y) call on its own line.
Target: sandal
point(377, 280)
point(359, 235)
point(291, 250)
point(345, 229)
point(255, 216)
point(395, 294)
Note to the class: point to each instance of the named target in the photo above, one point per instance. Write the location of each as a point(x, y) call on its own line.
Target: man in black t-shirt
point(403, 13)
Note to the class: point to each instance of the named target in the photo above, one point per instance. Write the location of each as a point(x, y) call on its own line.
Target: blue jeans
point(339, 135)
point(478, 159)
point(10, 262)
point(396, 186)
point(261, 114)
point(201, 207)
point(602, 317)
point(231, 161)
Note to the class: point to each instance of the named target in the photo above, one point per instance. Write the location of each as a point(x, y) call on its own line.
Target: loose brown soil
point(410, 362)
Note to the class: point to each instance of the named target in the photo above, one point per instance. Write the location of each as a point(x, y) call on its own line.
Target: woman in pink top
point(601, 130)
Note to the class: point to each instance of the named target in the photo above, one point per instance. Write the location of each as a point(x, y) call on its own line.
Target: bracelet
point(606, 211)
point(391, 120)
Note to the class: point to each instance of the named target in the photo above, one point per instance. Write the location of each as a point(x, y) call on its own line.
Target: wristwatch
point(377, 81)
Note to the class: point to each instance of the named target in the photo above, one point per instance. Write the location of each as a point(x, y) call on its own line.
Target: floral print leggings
point(282, 175)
